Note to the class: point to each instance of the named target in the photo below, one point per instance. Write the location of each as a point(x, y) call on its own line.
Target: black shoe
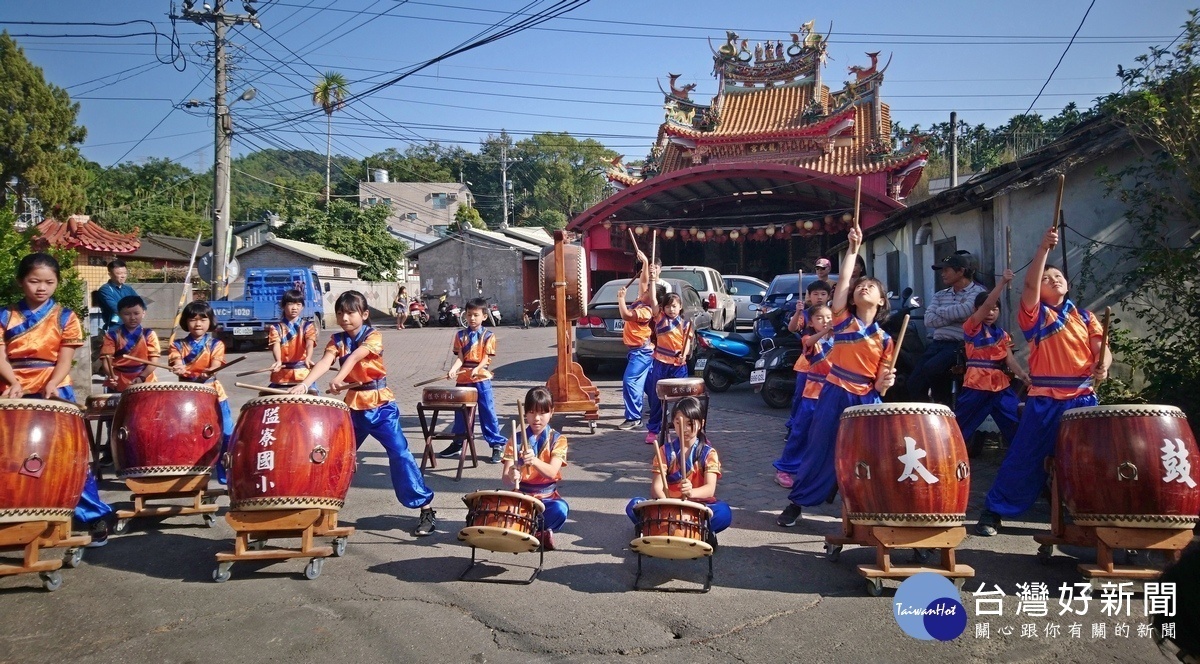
point(450, 452)
point(789, 516)
point(711, 540)
point(989, 524)
point(629, 425)
point(497, 453)
point(99, 534)
point(105, 459)
point(428, 523)
point(832, 495)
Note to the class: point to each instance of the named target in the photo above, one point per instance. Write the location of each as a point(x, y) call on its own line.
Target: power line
point(1060, 58)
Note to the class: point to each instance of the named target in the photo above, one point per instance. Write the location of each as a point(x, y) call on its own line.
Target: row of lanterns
point(802, 227)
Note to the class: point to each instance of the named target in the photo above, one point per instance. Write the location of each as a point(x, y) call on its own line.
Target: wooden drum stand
point(254, 528)
point(573, 392)
point(29, 537)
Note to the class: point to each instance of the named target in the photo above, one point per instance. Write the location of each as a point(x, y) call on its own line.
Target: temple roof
point(80, 232)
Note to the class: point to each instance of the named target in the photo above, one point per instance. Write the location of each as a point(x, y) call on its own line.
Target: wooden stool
point(671, 391)
point(437, 400)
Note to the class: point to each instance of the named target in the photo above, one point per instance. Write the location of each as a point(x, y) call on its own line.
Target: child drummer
point(291, 341)
point(359, 350)
point(535, 468)
point(474, 351)
point(636, 337)
point(127, 341)
point(38, 338)
point(195, 358)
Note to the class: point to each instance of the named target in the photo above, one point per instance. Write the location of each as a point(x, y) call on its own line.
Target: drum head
point(674, 548)
point(52, 405)
point(301, 399)
point(899, 408)
point(1123, 410)
point(170, 387)
point(674, 502)
point(501, 540)
point(509, 496)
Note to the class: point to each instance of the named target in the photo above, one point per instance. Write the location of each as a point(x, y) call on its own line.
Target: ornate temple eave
point(834, 125)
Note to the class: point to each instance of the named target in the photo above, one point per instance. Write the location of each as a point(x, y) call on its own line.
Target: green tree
point(467, 217)
point(330, 92)
point(550, 220)
point(155, 196)
point(561, 172)
point(37, 124)
point(257, 175)
point(14, 246)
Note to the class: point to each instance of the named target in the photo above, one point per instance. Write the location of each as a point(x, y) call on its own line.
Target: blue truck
point(244, 322)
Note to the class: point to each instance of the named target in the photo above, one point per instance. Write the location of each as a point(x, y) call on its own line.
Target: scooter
point(418, 313)
point(533, 315)
point(493, 311)
point(447, 314)
point(911, 352)
point(726, 358)
point(773, 377)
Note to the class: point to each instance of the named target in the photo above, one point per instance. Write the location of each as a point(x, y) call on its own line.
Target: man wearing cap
point(823, 268)
point(944, 318)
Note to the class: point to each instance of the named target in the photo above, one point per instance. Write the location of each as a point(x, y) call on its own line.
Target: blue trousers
point(797, 399)
point(485, 414)
point(815, 476)
point(384, 424)
point(1023, 474)
point(633, 384)
point(938, 358)
point(226, 434)
point(658, 371)
point(556, 513)
point(90, 507)
point(793, 449)
point(722, 516)
point(973, 407)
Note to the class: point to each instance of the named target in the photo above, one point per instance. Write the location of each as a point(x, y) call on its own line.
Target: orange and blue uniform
point(670, 341)
point(374, 412)
point(694, 465)
point(198, 355)
point(800, 368)
point(986, 390)
point(817, 366)
point(293, 337)
point(32, 340)
point(860, 352)
point(546, 447)
point(121, 343)
point(473, 347)
point(636, 336)
point(1060, 370)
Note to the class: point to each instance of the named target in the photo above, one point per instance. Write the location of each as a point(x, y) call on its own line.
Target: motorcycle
point(911, 352)
point(533, 315)
point(447, 314)
point(418, 313)
point(773, 377)
point(726, 359)
point(491, 317)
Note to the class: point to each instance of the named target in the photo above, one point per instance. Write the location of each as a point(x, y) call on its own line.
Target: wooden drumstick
point(147, 362)
point(899, 344)
point(857, 201)
point(653, 246)
point(224, 366)
point(262, 388)
point(1062, 183)
point(347, 386)
point(633, 240)
point(251, 373)
point(523, 440)
point(662, 466)
point(1104, 339)
point(441, 377)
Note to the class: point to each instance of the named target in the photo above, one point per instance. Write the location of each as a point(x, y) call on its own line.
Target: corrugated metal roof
point(313, 251)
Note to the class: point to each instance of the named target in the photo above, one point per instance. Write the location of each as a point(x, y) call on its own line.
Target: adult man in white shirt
point(944, 318)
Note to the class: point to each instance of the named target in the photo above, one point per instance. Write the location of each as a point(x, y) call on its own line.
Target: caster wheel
point(313, 569)
point(51, 581)
point(1045, 552)
point(221, 574)
point(922, 556)
point(257, 545)
point(591, 427)
point(833, 552)
point(874, 587)
point(73, 557)
point(960, 582)
point(1136, 557)
point(121, 527)
point(209, 520)
point(339, 546)
point(208, 500)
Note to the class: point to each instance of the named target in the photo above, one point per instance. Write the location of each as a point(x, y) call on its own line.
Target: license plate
point(758, 376)
point(701, 363)
point(243, 331)
point(617, 325)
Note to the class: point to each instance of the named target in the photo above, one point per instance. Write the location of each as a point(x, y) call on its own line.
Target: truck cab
point(245, 321)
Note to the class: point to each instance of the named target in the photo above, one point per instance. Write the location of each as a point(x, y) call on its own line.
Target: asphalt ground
point(149, 594)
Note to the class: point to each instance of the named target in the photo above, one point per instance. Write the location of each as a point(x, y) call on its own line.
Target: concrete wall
point(454, 266)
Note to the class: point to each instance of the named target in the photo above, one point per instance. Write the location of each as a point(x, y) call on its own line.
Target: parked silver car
point(598, 335)
point(742, 288)
point(711, 287)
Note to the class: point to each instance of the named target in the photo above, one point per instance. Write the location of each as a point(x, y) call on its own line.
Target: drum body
point(671, 528)
point(502, 521)
point(902, 464)
point(166, 429)
point(449, 396)
point(673, 389)
point(575, 276)
point(1128, 466)
point(291, 452)
point(102, 406)
point(43, 460)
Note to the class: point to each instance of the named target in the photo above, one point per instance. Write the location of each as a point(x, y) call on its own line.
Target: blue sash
point(32, 318)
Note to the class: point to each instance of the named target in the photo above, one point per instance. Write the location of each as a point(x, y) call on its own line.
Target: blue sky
point(592, 72)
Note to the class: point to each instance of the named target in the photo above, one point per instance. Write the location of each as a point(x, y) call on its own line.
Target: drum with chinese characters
point(1134, 466)
point(101, 406)
point(574, 278)
point(291, 452)
point(43, 460)
point(672, 528)
point(166, 429)
point(902, 464)
point(504, 521)
point(449, 396)
point(673, 389)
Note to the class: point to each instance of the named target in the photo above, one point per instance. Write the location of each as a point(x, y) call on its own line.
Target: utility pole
point(504, 182)
point(223, 127)
point(953, 149)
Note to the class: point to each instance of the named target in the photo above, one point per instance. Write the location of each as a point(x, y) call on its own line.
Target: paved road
point(148, 595)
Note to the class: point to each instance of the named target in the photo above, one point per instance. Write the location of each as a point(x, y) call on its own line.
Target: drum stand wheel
point(145, 489)
point(30, 537)
point(254, 528)
point(833, 552)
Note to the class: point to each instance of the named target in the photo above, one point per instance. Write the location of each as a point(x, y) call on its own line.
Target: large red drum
point(43, 460)
point(1128, 466)
point(291, 452)
point(902, 464)
point(166, 430)
point(575, 278)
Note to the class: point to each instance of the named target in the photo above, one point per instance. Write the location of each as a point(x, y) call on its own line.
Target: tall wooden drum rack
point(573, 392)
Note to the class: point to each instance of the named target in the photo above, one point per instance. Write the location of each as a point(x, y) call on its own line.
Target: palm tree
point(330, 92)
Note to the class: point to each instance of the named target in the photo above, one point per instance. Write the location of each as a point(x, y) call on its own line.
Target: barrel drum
point(166, 430)
point(575, 278)
point(43, 460)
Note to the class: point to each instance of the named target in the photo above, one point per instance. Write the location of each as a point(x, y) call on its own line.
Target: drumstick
point(347, 386)
point(662, 467)
point(263, 388)
point(633, 240)
point(441, 377)
point(147, 362)
point(1008, 250)
point(251, 373)
point(653, 246)
point(224, 366)
point(1062, 183)
point(524, 439)
point(1104, 339)
point(899, 344)
point(857, 200)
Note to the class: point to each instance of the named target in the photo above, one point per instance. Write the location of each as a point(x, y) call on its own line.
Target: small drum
point(902, 464)
point(166, 430)
point(291, 452)
point(673, 389)
point(101, 406)
point(43, 460)
point(575, 274)
point(502, 521)
point(449, 396)
point(671, 528)
point(1131, 466)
